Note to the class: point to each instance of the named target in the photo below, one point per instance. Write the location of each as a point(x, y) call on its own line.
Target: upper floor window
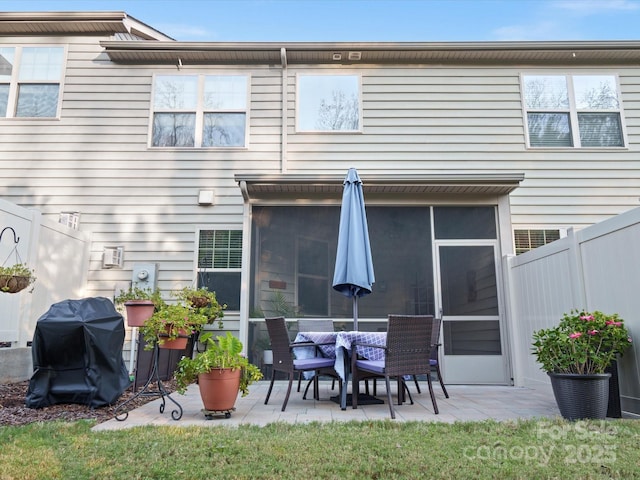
point(199, 111)
point(328, 103)
point(30, 79)
point(573, 110)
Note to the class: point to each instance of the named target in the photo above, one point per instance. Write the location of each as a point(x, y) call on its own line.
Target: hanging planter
point(17, 277)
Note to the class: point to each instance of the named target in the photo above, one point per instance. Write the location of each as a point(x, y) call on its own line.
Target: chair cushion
point(376, 366)
point(433, 362)
point(313, 363)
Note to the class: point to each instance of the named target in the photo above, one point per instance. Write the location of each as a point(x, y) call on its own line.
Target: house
point(222, 164)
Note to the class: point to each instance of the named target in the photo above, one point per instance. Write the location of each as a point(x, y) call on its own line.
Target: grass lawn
point(531, 449)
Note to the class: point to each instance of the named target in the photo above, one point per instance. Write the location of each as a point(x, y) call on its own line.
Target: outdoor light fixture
point(355, 55)
point(337, 57)
point(205, 197)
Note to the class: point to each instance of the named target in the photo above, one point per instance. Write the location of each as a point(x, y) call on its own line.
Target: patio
point(466, 403)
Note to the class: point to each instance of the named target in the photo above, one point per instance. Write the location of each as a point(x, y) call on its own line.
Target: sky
point(369, 20)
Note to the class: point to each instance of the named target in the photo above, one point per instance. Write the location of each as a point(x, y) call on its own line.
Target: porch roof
point(261, 186)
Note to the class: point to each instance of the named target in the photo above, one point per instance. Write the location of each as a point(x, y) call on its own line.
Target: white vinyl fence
point(597, 268)
point(59, 256)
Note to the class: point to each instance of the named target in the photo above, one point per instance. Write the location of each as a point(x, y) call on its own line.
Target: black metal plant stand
point(146, 392)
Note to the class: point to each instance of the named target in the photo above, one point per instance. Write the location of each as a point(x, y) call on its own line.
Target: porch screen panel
point(293, 257)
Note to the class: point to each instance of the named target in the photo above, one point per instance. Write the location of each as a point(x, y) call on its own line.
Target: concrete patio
point(465, 403)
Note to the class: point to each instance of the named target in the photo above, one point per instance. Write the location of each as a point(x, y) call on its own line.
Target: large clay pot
point(581, 396)
point(219, 388)
point(138, 312)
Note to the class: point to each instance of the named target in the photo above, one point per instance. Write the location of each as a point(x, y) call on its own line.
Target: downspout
point(285, 92)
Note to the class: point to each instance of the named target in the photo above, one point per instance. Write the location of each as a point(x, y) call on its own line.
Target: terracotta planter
point(581, 396)
point(179, 343)
point(219, 388)
point(138, 312)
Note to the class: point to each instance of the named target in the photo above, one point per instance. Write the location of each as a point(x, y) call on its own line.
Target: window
point(526, 240)
point(572, 110)
point(30, 79)
point(329, 103)
point(199, 111)
point(220, 263)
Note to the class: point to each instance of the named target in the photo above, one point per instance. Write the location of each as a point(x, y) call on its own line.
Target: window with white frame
point(526, 240)
point(328, 103)
point(199, 111)
point(30, 79)
point(573, 110)
point(220, 264)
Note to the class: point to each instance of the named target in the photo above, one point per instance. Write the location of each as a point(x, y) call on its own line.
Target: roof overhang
point(76, 23)
point(287, 186)
point(273, 53)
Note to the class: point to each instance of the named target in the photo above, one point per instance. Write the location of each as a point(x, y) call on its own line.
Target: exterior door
point(472, 338)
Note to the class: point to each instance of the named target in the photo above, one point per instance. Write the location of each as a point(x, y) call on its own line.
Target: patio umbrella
point(353, 276)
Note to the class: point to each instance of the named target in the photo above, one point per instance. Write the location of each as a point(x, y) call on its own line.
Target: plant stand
point(145, 392)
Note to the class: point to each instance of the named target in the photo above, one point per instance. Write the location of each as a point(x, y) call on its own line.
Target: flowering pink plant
point(583, 343)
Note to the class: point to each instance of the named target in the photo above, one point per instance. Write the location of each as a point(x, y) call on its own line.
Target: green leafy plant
point(583, 342)
point(136, 293)
point(221, 352)
point(170, 322)
point(20, 273)
point(203, 301)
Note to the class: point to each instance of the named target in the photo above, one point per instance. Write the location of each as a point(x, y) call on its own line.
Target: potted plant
point(575, 355)
point(140, 304)
point(221, 370)
point(171, 326)
point(15, 278)
point(204, 302)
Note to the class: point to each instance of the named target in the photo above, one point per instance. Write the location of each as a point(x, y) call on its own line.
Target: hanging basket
point(13, 283)
point(17, 277)
point(199, 302)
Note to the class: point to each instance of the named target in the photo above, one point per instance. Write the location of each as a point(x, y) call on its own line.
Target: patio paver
point(466, 403)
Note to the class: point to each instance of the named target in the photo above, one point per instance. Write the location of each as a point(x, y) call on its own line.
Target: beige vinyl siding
point(95, 159)
point(418, 119)
point(442, 119)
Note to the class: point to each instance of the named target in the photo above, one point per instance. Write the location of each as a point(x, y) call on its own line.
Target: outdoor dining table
point(338, 345)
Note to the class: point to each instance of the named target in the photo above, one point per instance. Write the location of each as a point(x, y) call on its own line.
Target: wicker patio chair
point(284, 361)
point(407, 353)
point(433, 358)
point(315, 325)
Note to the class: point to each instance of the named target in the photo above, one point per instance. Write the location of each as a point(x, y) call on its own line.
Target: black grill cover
point(77, 355)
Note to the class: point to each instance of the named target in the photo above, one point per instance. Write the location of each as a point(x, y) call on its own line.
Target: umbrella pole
point(355, 312)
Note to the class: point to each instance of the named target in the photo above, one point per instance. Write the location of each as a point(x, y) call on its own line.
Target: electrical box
point(144, 276)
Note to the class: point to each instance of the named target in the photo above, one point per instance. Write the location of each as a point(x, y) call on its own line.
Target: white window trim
point(12, 101)
point(573, 111)
point(330, 74)
point(199, 111)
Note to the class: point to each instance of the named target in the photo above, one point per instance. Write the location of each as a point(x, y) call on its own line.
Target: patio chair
point(433, 360)
point(407, 353)
point(284, 361)
point(315, 325)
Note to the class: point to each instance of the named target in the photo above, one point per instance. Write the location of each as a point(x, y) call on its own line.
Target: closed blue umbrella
point(353, 276)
